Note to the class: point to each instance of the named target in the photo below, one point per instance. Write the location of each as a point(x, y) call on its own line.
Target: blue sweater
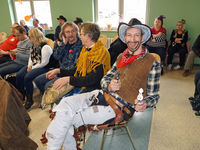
point(68, 54)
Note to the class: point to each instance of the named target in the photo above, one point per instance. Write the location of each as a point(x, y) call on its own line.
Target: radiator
point(109, 41)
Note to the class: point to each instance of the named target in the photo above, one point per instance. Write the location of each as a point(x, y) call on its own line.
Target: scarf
point(127, 59)
point(89, 60)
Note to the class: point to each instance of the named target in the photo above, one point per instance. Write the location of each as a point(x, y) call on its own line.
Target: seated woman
point(158, 42)
point(38, 64)
point(178, 40)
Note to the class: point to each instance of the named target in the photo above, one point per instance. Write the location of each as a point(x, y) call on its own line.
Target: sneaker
point(186, 73)
point(177, 67)
point(169, 67)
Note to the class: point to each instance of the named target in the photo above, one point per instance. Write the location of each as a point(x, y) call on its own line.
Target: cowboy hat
point(62, 17)
point(146, 31)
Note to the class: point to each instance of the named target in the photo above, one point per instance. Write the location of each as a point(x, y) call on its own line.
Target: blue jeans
point(24, 79)
point(43, 83)
point(9, 67)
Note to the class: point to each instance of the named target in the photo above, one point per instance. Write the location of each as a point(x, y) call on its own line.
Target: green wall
point(175, 10)
point(5, 17)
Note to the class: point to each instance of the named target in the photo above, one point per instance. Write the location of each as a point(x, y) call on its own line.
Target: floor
point(171, 126)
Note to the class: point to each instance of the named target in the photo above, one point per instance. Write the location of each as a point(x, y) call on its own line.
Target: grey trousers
point(190, 61)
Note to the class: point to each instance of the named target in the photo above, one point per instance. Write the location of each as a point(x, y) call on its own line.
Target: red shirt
point(10, 43)
point(156, 32)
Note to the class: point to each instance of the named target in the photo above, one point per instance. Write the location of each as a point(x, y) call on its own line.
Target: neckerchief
point(127, 59)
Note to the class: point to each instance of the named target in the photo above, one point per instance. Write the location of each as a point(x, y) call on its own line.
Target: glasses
point(68, 32)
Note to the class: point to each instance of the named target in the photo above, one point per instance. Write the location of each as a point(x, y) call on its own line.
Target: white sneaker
point(169, 67)
point(177, 67)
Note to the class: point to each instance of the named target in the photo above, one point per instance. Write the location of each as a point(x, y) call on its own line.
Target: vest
point(133, 77)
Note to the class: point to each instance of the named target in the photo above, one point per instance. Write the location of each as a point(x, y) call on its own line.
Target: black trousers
point(177, 49)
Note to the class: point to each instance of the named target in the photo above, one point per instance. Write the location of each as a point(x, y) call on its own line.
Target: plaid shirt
point(153, 84)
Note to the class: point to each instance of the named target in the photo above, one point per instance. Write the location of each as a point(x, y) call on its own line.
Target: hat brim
point(146, 31)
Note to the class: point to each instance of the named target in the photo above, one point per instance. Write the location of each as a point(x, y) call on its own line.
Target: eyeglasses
point(68, 32)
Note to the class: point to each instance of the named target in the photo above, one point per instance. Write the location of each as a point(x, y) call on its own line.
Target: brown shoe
point(186, 73)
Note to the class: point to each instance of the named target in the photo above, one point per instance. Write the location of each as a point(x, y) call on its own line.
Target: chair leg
point(103, 138)
point(129, 134)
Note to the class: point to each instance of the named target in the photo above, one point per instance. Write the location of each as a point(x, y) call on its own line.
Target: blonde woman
point(38, 64)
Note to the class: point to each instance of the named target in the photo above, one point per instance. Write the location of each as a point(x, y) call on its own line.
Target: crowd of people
point(105, 82)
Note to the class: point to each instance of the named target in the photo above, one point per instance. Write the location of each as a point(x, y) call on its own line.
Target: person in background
point(36, 25)
point(157, 44)
point(117, 46)
point(195, 52)
point(61, 20)
point(38, 64)
point(78, 21)
point(118, 96)
point(195, 101)
point(67, 54)
point(178, 40)
point(22, 54)
point(9, 47)
point(22, 23)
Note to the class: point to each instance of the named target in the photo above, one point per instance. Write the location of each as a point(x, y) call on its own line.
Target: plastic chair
point(114, 38)
point(3, 37)
point(103, 39)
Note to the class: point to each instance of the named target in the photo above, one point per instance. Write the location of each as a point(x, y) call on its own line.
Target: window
point(111, 12)
point(29, 9)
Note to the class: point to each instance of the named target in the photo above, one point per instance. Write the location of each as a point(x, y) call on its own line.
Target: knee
point(28, 78)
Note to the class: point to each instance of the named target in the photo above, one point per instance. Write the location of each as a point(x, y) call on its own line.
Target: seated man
point(136, 69)
point(195, 52)
point(67, 54)
point(22, 23)
point(118, 46)
point(78, 21)
point(92, 64)
point(9, 44)
point(36, 25)
point(22, 55)
point(61, 21)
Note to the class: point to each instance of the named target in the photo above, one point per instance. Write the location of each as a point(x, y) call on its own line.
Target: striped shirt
point(23, 51)
point(153, 84)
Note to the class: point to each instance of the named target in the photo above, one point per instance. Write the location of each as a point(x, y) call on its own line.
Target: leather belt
point(115, 104)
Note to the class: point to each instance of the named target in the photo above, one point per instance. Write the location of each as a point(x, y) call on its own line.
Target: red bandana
point(126, 59)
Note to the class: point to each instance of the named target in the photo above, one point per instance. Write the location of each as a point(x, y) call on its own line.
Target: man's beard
point(135, 48)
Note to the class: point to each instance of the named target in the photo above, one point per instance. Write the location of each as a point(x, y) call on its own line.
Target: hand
point(61, 82)
point(65, 40)
point(29, 68)
point(3, 52)
point(114, 85)
point(58, 43)
point(178, 40)
point(52, 74)
point(140, 107)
